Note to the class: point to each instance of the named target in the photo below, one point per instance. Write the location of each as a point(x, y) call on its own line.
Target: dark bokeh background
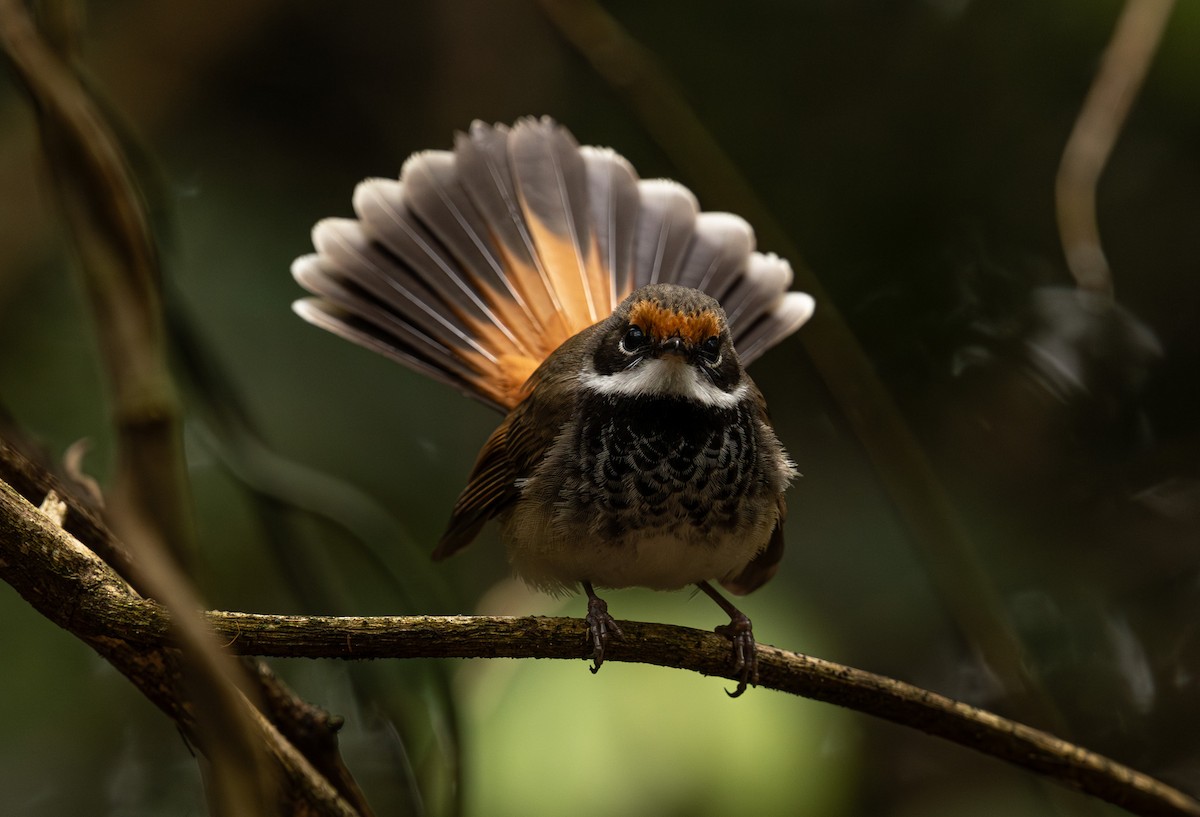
point(907, 148)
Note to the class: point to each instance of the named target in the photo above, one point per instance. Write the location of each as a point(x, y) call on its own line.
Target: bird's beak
point(673, 345)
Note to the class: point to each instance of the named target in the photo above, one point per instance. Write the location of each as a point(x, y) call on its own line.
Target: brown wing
point(763, 566)
point(517, 447)
point(491, 488)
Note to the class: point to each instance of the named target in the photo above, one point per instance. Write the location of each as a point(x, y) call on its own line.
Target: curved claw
point(745, 651)
point(601, 627)
point(741, 634)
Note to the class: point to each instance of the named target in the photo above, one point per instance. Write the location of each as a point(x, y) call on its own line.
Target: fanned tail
point(478, 263)
point(615, 206)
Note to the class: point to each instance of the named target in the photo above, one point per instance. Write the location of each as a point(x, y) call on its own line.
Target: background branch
point(70, 585)
point(106, 218)
point(1126, 61)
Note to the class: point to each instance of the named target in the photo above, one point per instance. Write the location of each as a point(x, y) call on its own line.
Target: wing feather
point(491, 487)
point(763, 566)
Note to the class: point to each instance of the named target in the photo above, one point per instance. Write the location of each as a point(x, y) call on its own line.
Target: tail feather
point(552, 183)
point(476, 264)
point(353, 326)
point(665, 226)
point(384, 210)
point(429, 184)
point(364, 269)
point(765, 279)
point(613, 189)
point(719, 253)
point(344, 308)
point(483, 165)
point(783, 318)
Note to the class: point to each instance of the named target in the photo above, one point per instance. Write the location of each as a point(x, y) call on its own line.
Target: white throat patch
point(662, 377)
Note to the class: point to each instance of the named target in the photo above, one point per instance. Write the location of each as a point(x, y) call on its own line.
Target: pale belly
point(647, 493)
point(668, 558)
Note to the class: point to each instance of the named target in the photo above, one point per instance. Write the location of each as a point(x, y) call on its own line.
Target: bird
point(611, 320)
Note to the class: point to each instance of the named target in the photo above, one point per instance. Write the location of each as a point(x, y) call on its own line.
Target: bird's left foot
point(740, 632)
point(601, 626)
point(745, 651)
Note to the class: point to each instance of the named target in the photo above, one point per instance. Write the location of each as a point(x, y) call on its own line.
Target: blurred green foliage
point(908, 148)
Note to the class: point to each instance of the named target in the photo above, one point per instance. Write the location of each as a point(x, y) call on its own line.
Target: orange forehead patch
point(661, 322)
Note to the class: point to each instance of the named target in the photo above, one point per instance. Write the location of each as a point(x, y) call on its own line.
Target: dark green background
point(907, 148)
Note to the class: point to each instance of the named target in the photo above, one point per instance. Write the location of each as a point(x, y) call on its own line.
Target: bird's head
point(666, 340)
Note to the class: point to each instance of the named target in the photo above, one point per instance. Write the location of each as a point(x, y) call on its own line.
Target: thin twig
point(72, 587)
point(1126, 60)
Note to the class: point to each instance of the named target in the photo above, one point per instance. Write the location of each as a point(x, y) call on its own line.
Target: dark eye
point(634, 339)
point(710, 349)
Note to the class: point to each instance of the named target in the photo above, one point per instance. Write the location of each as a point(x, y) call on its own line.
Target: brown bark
point(67, 583)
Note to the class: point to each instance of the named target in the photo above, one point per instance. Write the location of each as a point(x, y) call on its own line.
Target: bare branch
point(708, 654)
point(68, 584)
point(155, 669)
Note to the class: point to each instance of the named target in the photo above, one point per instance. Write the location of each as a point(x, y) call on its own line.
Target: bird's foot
point(745, 651)
point(741, 634)
point(601, 626)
